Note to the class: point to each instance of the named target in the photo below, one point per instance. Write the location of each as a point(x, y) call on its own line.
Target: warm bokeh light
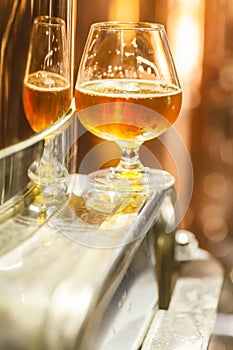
point(121, 10)
point(215, 185)
point(187, 51)
point(185, 28)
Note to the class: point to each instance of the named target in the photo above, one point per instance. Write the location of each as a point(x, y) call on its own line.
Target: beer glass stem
point(47, 159)
point(48, 171)
point(130, 164)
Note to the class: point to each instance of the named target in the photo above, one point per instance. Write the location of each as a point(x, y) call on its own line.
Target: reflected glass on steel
point(47, 92)
point(19, 144)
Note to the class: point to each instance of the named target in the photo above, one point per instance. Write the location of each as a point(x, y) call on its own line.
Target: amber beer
point(121, 109)
point(46, 97)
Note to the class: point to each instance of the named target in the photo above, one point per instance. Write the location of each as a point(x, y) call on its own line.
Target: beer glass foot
point(148, 180)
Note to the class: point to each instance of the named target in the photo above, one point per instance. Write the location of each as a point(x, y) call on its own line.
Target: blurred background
point(198, 150)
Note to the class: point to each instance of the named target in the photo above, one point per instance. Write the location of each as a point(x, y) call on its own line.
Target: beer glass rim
point(121, 25)
point(49, 21)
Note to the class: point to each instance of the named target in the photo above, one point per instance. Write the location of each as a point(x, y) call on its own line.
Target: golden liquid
point(46, 97)
point(121, 109)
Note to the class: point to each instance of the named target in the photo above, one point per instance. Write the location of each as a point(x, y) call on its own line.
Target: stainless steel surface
point(55, 291)
point(16, 17)
point(15, 159)
point(130, 310)
point(63, 289)
point(189, 321)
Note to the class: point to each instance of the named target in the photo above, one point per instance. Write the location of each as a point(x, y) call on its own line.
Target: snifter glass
point(128, 91)
point(47, 92)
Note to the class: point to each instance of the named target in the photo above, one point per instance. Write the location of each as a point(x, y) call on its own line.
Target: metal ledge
point(189, 321)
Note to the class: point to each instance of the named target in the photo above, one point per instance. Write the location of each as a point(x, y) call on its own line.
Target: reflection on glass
point(47, 92)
